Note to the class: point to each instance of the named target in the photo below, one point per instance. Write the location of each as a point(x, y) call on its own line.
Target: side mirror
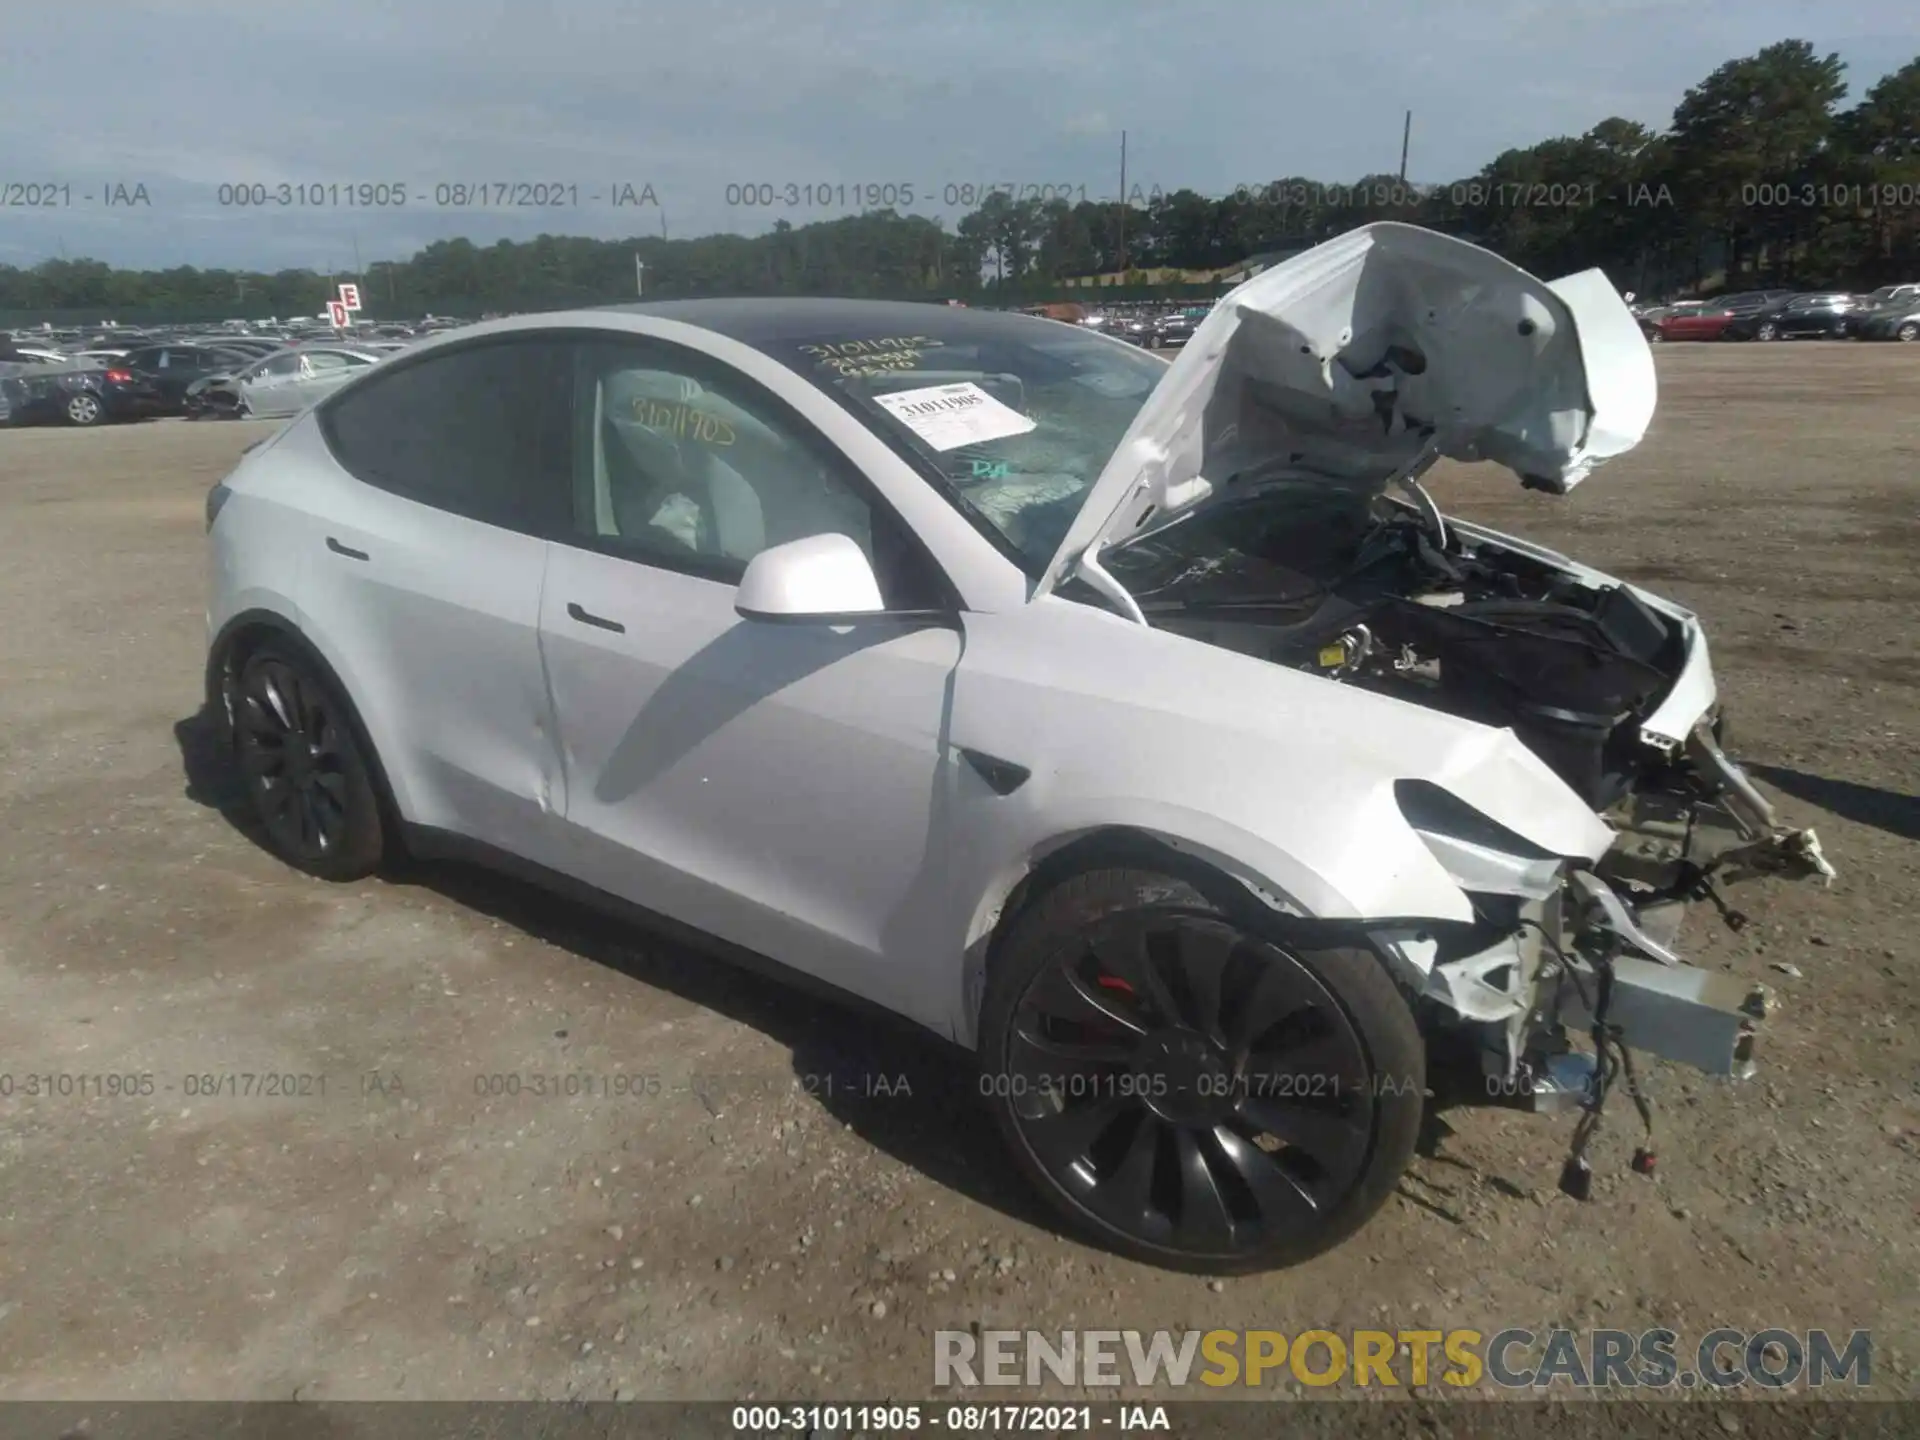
point(821, 578)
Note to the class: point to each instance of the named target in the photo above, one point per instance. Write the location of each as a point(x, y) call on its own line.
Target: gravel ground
point(795, 1199)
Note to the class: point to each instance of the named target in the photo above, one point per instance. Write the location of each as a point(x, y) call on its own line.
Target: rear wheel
point(1767, 331)
point(1908, 332)
point(305, 771)
point(1188, 1090)
point(85, 409)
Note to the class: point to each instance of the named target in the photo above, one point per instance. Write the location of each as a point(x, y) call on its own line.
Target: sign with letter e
point(350, 297)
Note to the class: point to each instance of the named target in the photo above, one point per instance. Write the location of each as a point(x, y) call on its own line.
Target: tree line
point(1764, 176)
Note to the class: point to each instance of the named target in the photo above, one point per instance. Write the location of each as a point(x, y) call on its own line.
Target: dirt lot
point(393, 1232)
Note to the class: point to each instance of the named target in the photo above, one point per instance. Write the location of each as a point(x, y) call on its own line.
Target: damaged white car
point(1145, 729)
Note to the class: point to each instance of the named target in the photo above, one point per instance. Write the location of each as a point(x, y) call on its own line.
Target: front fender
point(1285, 781)
point(1403, 880)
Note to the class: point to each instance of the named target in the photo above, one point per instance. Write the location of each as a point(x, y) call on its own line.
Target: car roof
point(761, 321)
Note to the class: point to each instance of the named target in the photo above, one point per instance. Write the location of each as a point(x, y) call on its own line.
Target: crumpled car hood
point(1364, 357)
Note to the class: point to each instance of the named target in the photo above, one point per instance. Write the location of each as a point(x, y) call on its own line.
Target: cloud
point(187, 96)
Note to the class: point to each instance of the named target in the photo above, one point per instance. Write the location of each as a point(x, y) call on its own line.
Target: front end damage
point(1570, 969)
point(1268, 499)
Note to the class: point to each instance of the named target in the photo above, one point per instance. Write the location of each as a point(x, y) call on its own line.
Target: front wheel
point(85, 409)
point(1767, 332)
point(1188, 1090)
point(305, 771)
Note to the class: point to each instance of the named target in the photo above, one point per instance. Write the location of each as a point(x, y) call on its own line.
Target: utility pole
point(639, 271)
point(1406, 139)
point(1123, 207)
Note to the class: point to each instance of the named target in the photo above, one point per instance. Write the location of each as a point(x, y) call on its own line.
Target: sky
point(641, 117)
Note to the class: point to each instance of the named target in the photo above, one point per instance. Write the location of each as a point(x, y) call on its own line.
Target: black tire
point(1908, 332)
point(1766, 331)
point(306, 773)
point(84, 408)
point(1222, 1102)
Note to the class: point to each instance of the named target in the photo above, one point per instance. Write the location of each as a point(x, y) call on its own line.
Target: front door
point(778, 785)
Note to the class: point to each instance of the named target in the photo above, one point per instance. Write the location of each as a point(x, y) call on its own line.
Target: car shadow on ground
point(1886, 810)
point(901, 1089)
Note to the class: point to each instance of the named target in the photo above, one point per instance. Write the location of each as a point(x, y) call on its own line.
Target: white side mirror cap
point(821, 577)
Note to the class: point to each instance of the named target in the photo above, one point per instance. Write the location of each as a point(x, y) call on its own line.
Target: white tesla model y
point(1144, 729)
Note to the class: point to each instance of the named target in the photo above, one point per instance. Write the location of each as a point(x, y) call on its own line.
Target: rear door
point(272, 388)
point(1694, 325)
point(427, 573)
point(325, 371)
point(179, 366)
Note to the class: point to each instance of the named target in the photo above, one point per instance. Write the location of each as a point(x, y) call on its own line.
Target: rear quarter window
point(481, 431)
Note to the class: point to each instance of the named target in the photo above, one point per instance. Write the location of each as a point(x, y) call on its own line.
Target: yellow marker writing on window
point(683, 422)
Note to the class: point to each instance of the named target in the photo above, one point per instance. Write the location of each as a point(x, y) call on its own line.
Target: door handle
point(575, 612)
point(337, 548)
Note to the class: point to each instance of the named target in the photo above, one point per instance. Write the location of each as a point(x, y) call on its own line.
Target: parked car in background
point(1709, 319)
point(1898, 295)
point(1743, 300)
point(1823, 314)
point(1894, 319)
point(1706, 322)
point(283, 383)
point(79, 393)
point(1174, 331)
point(172, 368)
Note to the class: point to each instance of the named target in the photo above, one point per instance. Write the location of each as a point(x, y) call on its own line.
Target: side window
point(280, 367)
point(321, 362)
point(682, 462)
point(481, 431)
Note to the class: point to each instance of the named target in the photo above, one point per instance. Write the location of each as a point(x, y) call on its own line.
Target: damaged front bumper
point(1567, 942)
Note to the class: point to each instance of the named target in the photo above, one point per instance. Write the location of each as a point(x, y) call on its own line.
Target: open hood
point(1371, 357)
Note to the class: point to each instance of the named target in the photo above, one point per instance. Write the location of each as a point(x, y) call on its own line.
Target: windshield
point(1017, 421)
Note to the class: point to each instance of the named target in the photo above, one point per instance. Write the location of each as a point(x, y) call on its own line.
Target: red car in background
point(1709, 321)
point(1705, 323)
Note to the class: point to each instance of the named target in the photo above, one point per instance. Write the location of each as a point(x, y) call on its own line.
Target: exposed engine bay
point(1346, 583)
point(1372, 592)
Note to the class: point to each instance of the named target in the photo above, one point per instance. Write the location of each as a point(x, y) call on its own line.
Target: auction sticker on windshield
point(950, 416)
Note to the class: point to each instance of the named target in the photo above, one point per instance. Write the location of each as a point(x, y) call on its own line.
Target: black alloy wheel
point(304, 769)
point(1193, 1092)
